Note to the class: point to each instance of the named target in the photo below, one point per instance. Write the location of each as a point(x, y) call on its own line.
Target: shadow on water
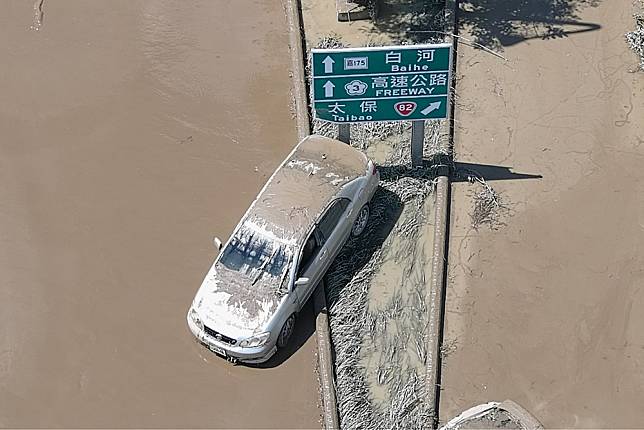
point(488, 172)
point(492, 23)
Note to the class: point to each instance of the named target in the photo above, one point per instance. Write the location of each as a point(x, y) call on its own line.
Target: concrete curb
point(438, 281)
point(298, 76)
point(325, 360)
point(303, 120)
point(436, 295)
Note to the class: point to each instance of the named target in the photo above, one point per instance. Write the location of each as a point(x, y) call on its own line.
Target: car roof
point(304, 184)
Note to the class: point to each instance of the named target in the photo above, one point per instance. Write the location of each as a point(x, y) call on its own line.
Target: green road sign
point(388, 83)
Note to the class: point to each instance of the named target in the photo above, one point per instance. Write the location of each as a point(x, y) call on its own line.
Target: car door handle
point(323, 254)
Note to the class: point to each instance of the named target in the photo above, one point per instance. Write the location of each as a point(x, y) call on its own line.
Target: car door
point(308, 267)
point(335, 230)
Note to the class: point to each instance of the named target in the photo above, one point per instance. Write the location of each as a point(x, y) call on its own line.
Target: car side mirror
point(217, 243)
point(301, 281)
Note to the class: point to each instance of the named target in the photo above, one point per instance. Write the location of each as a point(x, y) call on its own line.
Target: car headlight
point(194, 316)
point(254, 341)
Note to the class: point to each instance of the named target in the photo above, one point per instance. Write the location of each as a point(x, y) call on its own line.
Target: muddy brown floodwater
point(132, 132)
point(546, 309)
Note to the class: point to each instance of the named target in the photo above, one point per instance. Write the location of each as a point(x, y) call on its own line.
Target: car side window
point(309, 252)
point(332, 216)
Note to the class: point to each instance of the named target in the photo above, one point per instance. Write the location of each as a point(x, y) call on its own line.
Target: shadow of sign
point(463, 172)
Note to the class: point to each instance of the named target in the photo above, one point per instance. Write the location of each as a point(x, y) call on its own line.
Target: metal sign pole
point(344, 133)
point(417, 142)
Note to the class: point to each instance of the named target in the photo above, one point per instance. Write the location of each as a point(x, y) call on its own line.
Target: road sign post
point(344, 133)
point(388, 83)
point(417, 142)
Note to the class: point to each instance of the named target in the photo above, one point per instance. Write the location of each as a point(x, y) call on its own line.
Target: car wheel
point(286, 332)
point(361, 221)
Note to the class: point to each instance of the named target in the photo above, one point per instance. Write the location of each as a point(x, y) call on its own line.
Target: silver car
point(247, 305)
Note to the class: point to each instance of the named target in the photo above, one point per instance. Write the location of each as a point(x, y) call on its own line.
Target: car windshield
point(256, 255)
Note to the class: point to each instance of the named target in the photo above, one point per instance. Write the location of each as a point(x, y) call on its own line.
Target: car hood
point(230, 305)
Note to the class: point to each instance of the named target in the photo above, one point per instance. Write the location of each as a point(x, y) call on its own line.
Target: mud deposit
point(377, 296)
point(132, 132)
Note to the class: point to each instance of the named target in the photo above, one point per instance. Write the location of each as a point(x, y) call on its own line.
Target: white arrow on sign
point(431, 108)
point(328, 64)
point(328, 89)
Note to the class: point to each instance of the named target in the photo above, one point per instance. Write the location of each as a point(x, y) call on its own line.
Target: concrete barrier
point(438, 282)
point(296, 46)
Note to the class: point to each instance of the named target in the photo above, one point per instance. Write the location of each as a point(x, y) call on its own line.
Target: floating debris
point(635, 38)
point(38, 15)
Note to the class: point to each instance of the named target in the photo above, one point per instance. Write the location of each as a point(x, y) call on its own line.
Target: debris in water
point(635, 38)
point(38, 15)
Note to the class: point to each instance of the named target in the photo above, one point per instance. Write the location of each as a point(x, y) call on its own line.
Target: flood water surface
point(132, 132)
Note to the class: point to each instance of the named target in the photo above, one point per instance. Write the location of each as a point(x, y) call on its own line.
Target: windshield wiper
point(263, 266)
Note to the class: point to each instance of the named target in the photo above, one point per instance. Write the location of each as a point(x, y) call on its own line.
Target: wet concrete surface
point(132, 132)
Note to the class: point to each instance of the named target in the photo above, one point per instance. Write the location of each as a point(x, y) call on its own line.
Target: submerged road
point(132, 132)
